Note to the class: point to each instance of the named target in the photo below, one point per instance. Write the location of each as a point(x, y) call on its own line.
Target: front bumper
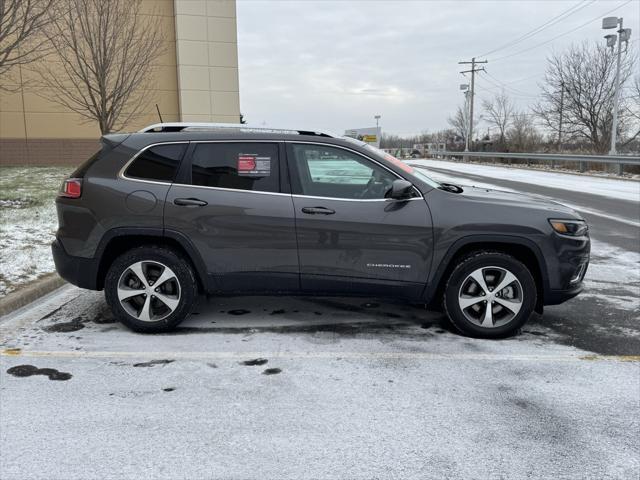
point(556, 297)
point(79, 271)
point(567, 261)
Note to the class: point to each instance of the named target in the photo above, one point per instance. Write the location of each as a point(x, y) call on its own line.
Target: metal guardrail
point(619, 160)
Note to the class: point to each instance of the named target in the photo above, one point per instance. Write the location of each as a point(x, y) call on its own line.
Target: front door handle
point(190, 202)
point(318, 211)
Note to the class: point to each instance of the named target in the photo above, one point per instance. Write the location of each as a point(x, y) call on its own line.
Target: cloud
point(336, 64)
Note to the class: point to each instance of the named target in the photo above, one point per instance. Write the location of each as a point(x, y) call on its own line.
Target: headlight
point(573, 228)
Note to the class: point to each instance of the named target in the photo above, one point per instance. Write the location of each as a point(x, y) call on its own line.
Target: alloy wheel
point(490, 297)
point(149, 291)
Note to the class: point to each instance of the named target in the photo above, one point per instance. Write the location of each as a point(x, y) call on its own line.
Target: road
point(334, 388)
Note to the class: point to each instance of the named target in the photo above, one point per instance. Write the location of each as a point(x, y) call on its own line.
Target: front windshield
point(416, 172)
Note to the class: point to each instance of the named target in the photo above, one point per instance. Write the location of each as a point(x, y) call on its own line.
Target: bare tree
point(499, 112)
point(21, 25)
point(586, 73)
point(523, 135)
point(460, 120)
point(106, 50)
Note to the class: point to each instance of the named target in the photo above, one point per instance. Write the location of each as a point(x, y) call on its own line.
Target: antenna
point(159, 114)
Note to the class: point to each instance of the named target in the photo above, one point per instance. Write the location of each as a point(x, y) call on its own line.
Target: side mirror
point(400, 190)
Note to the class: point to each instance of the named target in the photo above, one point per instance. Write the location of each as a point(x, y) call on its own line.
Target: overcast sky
point(335, 64)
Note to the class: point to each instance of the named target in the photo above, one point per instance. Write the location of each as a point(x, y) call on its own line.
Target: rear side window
point(159, 163)
point(239, 166)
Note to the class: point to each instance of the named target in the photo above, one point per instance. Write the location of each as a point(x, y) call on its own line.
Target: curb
point(30, 293)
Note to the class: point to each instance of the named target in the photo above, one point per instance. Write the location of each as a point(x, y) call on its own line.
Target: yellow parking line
point(329, 355)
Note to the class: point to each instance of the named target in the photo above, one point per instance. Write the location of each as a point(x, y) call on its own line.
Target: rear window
point(238, 166)
point(159, 163)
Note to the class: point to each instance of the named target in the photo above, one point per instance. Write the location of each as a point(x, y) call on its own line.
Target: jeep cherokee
point(178, 209)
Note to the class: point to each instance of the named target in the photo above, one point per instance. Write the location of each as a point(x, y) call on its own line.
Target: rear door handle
point(190, 202)
point(318, 211)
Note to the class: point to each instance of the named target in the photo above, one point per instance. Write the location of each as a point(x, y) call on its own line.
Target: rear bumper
point(79, 271)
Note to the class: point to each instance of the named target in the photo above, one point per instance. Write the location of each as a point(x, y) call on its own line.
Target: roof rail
point(195, 126)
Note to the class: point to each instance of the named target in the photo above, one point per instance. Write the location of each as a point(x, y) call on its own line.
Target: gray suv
point(159, 216)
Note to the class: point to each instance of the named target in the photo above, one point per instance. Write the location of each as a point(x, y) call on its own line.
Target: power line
point(562, 34)
point(498, 91)
point(506, 86)
point(507, 89)
point(522, 79)
point(561, 16)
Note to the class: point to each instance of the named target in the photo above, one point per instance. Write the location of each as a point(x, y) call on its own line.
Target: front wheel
point(490, 295)
point(150, 289)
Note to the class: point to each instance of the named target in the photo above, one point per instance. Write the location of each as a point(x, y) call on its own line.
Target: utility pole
point(473, 71)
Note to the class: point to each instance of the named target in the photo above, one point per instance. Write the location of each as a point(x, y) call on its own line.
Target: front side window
point(238, 166)
point(159, 163)
point(325, 171)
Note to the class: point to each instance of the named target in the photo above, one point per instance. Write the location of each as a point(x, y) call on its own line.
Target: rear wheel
point(150, 289)
point(490, 295)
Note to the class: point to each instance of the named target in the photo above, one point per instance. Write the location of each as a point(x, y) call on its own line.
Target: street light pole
point(378, 134)
point(614, 126)
point(467, 105)
point(623, 36)
point(465, 89)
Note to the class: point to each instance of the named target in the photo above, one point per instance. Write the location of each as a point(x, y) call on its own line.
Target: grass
point(28, 222)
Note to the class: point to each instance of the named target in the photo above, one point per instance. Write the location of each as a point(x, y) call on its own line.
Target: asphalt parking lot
point(260, 387)
point(333, 388)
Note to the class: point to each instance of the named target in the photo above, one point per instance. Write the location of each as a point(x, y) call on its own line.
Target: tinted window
point(241, 166)
point(158, 163)
point(334, 172)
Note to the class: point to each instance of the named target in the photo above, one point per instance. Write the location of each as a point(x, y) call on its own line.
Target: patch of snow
point(603, 186)
point(612, 268)
point(28, 222)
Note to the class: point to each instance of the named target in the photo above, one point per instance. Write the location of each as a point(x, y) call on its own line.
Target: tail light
point(71, 188)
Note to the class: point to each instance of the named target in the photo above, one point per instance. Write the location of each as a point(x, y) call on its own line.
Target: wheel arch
point(520, 248)
point(118, 241)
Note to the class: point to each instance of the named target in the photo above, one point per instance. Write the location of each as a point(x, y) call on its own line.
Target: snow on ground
point(613, 275)
point(27, 223)
point(606, 187)
point(417, 400)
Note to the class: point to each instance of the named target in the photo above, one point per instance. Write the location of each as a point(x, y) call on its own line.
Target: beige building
point(196, 79)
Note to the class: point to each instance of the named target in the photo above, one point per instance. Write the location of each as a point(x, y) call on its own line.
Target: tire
point(158, 307)
point(473, 284)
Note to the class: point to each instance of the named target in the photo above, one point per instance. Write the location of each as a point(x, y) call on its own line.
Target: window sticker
point(251, 165)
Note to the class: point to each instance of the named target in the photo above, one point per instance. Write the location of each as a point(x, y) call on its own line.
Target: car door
point(351, 239)
point(231, 207)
